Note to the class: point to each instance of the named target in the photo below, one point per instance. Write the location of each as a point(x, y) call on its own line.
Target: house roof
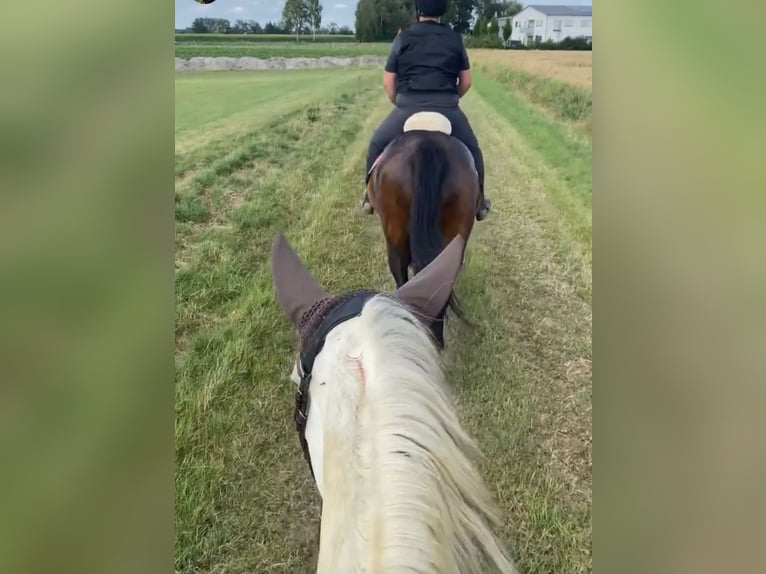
point(563, 10)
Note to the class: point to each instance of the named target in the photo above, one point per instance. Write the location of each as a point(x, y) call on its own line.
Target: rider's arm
point(464, 77)
point(389, 86)
point(389, 74)
point(464, 82)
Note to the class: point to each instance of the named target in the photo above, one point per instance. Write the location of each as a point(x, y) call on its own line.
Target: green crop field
point(273, 46)
point(280, 49)
point(258, 152)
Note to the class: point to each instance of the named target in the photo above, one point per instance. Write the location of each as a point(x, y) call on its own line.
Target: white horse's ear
point(430, 289)
point(295, 288)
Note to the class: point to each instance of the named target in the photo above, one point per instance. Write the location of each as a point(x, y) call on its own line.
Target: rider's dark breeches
point(392, 127)
point(387, 131)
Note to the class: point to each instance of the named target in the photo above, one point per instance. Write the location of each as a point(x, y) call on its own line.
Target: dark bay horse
point(425, 190)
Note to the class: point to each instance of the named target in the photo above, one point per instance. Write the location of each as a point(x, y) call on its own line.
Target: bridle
point(336, 310)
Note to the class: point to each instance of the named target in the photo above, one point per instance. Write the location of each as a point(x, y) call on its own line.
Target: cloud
point(341, 5)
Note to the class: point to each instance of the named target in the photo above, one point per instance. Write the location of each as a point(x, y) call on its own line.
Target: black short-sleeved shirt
point(427, 58)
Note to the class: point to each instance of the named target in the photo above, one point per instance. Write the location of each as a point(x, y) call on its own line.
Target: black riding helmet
point(431, 8)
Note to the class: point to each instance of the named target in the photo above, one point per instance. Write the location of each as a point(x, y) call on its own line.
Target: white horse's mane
point(400, 492)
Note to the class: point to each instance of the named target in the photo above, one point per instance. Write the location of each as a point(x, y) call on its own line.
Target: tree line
point(224, 26)
point(380, 20)
point(298, 17)
point(376, 20)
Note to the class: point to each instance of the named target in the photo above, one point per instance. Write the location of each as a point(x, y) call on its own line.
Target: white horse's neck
point(398, 491)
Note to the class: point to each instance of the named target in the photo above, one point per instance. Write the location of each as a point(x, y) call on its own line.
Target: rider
point(427, 70)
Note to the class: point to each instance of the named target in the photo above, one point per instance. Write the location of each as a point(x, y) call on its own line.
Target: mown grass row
point(565, 101)
point(229, 106)
point(281, 50)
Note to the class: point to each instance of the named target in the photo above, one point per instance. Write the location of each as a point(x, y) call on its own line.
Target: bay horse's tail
point(431, 169)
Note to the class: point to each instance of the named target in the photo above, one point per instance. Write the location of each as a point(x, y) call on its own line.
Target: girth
point(342, 308)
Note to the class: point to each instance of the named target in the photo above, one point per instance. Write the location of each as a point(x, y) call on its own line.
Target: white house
point(549, 23)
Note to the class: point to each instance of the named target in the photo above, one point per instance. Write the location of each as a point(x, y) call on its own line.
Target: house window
point(516, 23)
point(568, 23)
point(539, 23)
point(538, 39)
point(557, 24)
point(585, 23)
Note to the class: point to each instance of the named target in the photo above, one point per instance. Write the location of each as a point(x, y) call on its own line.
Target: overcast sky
point(342, 12)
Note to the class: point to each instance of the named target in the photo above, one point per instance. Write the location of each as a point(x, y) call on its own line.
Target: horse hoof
point(481, 215)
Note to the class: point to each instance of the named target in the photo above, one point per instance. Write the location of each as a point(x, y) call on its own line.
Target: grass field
point(262, 151)
point(257, 38)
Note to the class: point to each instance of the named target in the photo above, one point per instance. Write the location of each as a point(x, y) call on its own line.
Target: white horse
point(390, 459)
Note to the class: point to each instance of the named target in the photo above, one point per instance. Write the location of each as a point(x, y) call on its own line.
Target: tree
point(199, 26)
point(295, 16)
point(493, 28)
point(218, 25)
point(367, 21)
point(380, 20)
point(211, 26)
point(488, 8)
point(332, 28)
point(449, 15)
point(459, 15)
point(507, 30)
point(240, 27)
point(511, 8)
point(480, 28)
point(314, 13)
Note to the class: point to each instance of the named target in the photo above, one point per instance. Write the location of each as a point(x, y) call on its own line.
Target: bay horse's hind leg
point(398, 263)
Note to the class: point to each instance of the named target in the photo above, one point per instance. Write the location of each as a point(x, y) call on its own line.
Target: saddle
point(427, 122)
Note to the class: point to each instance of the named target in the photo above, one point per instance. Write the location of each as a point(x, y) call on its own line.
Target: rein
point(348, 308)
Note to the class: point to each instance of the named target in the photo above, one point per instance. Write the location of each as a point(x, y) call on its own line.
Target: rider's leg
point(389, 129)
point(461, 129)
